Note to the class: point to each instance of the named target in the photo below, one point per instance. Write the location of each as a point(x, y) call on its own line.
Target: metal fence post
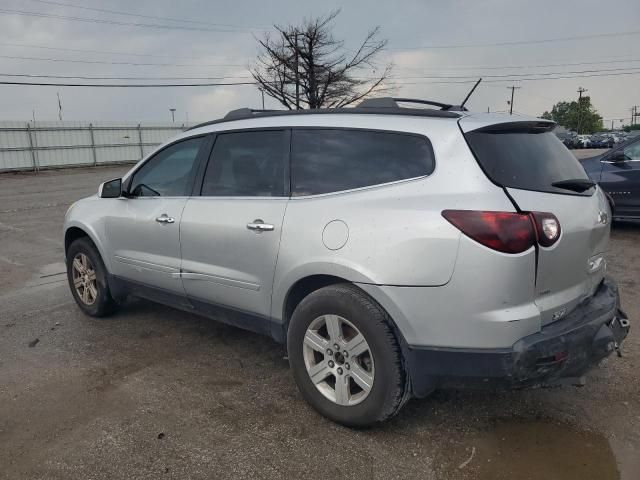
point(32, 149)
point(93, 145)
point(140, 140)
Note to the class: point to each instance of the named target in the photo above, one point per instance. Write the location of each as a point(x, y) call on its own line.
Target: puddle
point(49, 274)
point(535, 449)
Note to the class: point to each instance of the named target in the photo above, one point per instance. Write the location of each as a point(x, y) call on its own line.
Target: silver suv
point(393, 250)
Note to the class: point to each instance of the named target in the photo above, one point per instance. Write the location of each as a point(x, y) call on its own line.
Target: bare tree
point(305, 67)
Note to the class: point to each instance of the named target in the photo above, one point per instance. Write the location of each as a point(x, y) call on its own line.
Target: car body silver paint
point(234, 265)
point(440, 287)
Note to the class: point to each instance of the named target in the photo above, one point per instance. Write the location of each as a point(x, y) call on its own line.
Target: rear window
point(332, 160)
point(525, 157)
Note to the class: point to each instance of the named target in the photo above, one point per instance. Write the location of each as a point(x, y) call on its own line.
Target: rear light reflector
point(547, 228)
point(506, 232)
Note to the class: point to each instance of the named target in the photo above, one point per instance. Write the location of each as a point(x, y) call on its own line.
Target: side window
point(247, 164)
point(632, 152)
point(325, 161)
point(169, 173)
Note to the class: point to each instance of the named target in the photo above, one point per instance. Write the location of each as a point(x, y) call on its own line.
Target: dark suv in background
point(618, 174)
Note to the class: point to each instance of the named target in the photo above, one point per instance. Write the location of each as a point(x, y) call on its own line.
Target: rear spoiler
point(520, 127)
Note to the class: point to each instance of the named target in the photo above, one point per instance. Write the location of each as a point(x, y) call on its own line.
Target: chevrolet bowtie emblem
point(603, 218)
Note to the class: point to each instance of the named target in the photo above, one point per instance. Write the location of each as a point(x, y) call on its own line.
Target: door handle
point(165, 219)
point(259, 226)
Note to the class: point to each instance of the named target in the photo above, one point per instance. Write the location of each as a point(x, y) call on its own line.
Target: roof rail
point(375, 106)
point(241, 113)
point(391, 102)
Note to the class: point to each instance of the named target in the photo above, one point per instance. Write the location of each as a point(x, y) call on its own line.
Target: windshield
point(525, 157)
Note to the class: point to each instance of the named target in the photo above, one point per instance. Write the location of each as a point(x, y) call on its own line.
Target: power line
point(104, 62)
point(153, 17)
point(122, 85)
point(533, 79)
point(516, 75)
point(521, 42)
point(439, 68)
point(505, 67)
point(106, 52)
point(254, 83)
point(90, 77)
point(115, 22)
point(575, 74)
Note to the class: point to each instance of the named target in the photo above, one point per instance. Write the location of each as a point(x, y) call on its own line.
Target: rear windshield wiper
point(575, 184)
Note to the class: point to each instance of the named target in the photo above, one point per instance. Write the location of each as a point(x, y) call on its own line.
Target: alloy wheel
point(84, 279)
point(338, 360)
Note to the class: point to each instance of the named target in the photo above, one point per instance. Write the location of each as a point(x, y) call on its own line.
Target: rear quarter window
point(333, 160)
point(525, 157)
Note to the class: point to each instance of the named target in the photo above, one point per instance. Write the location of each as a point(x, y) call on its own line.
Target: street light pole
point(173, 115)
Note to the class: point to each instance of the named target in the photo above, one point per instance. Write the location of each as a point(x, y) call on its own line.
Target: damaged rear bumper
point(566, 348)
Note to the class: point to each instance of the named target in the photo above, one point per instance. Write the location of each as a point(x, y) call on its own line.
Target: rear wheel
point(345, 357)
point(87, 278)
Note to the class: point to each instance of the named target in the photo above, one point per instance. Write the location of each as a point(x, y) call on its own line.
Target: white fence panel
point(31, 146)
point(64, 156)
point(117, 154)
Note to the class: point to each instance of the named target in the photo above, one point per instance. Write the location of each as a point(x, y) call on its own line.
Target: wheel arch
point(71, 235)
point(309, 284)
point(74, 231)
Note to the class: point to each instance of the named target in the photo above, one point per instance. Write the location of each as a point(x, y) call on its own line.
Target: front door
point(230, 234)
point(621, 180)
point(143, 230)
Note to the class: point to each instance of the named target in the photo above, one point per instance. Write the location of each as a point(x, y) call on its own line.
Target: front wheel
point(87, 278)
point(345, 357)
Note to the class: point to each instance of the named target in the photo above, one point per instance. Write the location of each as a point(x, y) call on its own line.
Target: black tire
point(390, 386)
point(104, 303)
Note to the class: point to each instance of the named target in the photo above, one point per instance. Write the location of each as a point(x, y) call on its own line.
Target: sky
point(503, 41)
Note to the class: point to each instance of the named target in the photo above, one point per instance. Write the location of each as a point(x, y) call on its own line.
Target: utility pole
point(59, 106)
point(580, 92)
point(513, 88)
point(262, 91)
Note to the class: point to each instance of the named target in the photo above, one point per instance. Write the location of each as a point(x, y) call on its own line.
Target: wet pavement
point(157, 393)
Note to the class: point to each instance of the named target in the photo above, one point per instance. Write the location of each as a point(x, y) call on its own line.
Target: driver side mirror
point(618, 156)
point(110, 189)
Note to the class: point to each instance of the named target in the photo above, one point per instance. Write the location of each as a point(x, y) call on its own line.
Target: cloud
point(415, 23)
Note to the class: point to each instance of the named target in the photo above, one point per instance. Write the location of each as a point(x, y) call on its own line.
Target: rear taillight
point(507, 232)
point(547, 228)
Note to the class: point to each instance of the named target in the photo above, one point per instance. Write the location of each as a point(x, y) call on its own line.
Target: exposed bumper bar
point(566, 348)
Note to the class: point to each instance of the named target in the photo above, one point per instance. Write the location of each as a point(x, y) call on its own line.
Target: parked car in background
point(569, 139)
point(392, 250)
point(618, 174)
point(584, 141)
point(601, 141)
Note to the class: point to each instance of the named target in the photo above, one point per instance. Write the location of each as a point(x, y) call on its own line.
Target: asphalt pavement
point(153, 392)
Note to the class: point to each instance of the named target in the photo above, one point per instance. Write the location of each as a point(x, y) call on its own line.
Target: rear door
point(230, 233)
point(621, 180)
point(526, 158)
